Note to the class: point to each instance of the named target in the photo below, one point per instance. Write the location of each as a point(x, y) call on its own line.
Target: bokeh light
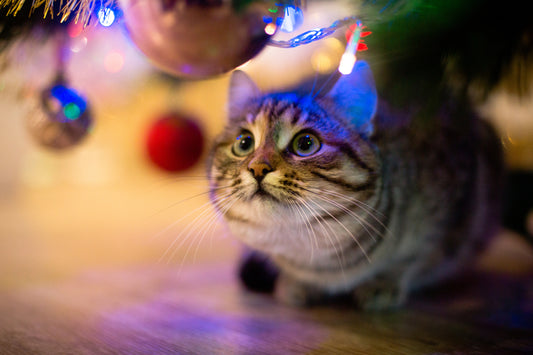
point(72, 103)
point(78, 43)
point(72, 111)
point(293, 19)
point(75, 29)
point(347, 63)
point(106, 16)
point(326, 58)
point(270, 29)
point(114, 62)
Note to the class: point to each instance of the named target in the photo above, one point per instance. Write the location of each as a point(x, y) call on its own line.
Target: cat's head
point(286, 160)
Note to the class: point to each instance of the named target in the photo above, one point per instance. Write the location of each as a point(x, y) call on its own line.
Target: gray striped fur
point(371, 218)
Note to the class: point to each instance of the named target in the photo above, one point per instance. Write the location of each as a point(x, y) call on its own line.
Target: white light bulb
point(347, 63)
point(106, 16)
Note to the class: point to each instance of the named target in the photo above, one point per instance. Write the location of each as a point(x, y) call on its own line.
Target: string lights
point(354, 38)
point(82, 10)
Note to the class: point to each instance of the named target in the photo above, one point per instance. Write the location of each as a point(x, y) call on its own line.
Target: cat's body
point(350, 203)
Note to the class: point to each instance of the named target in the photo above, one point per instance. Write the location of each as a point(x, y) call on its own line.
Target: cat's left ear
point(242, 89)
point(355, 95)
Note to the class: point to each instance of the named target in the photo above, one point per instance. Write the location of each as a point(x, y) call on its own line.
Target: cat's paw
point(290, 292)
point(257, 272)
point(379, 297)
point(297, 294)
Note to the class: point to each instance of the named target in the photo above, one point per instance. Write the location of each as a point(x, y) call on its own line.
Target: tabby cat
point(347, 199)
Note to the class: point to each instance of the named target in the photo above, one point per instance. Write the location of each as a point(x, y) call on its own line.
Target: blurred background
point(104, 203)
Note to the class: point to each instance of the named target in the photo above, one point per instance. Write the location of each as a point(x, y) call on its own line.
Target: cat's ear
point(241, 90)
point(355, 94)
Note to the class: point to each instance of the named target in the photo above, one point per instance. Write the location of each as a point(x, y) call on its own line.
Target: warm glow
point(322, 62)
point(270, 29)
point(74, 29)
point(114, 62)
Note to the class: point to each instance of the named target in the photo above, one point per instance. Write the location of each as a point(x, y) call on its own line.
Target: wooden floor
point(154, 309)
point(79, 274)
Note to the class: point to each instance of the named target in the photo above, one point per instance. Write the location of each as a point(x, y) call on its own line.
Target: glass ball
point(174, 142)
point(200, 38)
point(61, 120)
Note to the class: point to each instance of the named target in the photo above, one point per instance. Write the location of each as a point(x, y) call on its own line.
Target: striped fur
point(368, 218)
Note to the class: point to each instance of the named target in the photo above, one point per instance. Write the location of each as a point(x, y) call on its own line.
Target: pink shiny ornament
point(199, 38)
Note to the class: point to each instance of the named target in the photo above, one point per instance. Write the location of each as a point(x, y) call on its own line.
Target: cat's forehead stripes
point(278, 119)
point(289, 113)
point(293, 112)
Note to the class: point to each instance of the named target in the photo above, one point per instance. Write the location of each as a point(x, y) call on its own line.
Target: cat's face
point(287, 169)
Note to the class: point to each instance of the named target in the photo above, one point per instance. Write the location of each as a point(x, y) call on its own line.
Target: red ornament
point(174, 143)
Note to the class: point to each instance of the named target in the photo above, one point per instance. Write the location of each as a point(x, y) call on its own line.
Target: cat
point(345, 198)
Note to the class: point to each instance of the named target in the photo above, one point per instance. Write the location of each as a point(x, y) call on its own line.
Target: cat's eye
point(244, 144)
point(305, 144)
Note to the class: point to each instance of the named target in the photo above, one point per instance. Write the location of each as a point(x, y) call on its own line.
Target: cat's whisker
point(166, 229)
point(172, 180)
point(321, 223)
point(350, 233)
point(305, 222)
point(191, 197)
point(365, 207)
point(364, 223)
point(340, 259)
point(212, 222)
point(308, 227)
point(315, 81)
point(205, 207)
point(190, 238)
point(327, 84)
point(223, 203)
point(173, 224)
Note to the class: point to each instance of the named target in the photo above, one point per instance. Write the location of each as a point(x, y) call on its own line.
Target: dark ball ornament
point(62, 118)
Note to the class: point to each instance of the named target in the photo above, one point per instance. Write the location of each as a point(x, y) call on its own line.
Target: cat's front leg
point(380, 294)
point(296, 293)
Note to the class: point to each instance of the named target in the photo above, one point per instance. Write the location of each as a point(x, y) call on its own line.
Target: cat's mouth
point(261, 193)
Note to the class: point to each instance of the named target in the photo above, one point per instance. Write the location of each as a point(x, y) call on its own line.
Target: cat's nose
point(259, 169)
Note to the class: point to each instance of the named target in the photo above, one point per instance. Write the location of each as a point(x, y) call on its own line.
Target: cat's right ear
point(242, 89)
point(356, 96)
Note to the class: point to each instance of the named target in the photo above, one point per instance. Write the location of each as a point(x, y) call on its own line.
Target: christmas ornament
point(198, 38)
point(62, 118)
point(174, 142)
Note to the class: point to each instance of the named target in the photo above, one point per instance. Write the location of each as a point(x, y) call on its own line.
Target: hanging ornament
point(174, 142)
point(199, 38)
point(62, 118)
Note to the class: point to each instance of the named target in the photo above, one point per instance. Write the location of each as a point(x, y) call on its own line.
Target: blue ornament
point(62, 119)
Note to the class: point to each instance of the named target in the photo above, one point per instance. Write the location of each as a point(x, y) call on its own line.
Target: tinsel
point(81, 10)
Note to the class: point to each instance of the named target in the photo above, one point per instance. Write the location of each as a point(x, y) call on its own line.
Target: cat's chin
point(262, 195)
